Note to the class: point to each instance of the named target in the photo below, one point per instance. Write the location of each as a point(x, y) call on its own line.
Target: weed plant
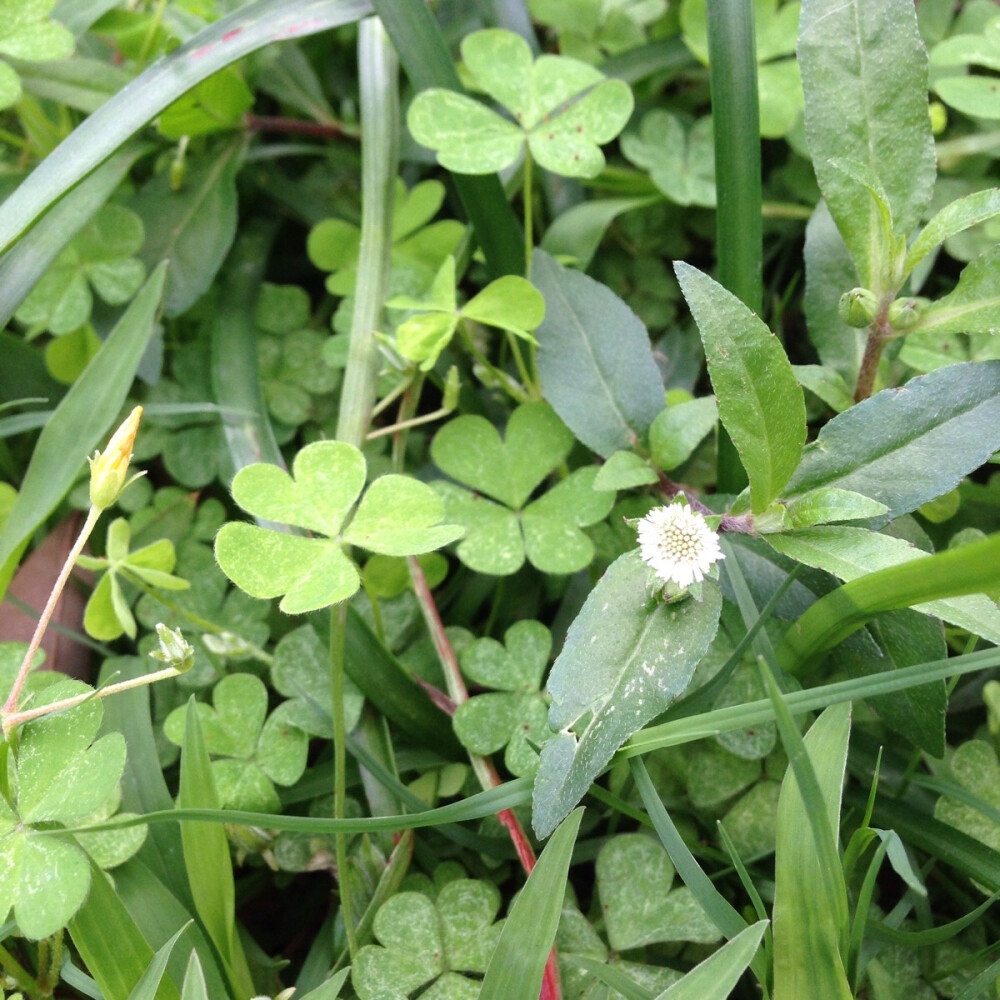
point(562, 513)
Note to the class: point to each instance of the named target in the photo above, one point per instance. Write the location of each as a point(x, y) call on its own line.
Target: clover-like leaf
point(100, 257)
point(564, 109)
point(681, 163)
point(397, 516)
point(108, 614)
point(60, 774)
point(971, 93)
point(515, 714)
point(300, 671)
point(510, 303)
point(974, 768)
point(418, 250)
point(497, 537)
point(214, 105)
point(635, 879)
point(257, 754)
point(423, 939)
point(27, 32)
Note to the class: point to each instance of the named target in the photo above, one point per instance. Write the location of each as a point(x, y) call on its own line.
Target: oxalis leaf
point(564, 109)
point(616, 678)
point(397, 516)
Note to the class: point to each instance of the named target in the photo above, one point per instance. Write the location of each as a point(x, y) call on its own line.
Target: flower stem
point(10, 705)
point(878, 333)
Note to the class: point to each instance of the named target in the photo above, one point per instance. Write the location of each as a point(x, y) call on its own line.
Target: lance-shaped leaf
point(973, 306)
point(397, 516)
point(907, 446)
point(760, 402)
point(955, 217)
point(594, 359)
point(613, 680)
point(864, 73)
point(564, 109)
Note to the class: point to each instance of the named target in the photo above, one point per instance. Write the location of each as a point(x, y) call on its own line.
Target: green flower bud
point(904, 313)
point(858, 307)
point(175, 651)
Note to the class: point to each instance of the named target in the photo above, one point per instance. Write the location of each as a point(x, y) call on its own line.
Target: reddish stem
point(458, 693)
point(295, 126)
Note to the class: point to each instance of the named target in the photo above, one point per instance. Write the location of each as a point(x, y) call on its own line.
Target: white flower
point(678, 544)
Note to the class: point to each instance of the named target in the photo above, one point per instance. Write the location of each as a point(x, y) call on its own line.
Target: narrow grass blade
point(715, 978)
point(206, 857)
point(378, 73)
point(720, 911)
point(149, 983)
point(83, 417)
point(111, 945)
point(518, 961)
point(810, 898)
point(224, 42)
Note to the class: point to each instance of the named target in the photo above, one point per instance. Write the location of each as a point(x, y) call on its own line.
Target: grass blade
point(83, 417)
point(518, 962)
point(230, 38)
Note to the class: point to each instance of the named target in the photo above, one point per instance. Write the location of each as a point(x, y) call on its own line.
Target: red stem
point(459, 693)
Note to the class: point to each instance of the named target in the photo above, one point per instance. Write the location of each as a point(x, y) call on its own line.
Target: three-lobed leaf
point(564, 109)
point(397, 516)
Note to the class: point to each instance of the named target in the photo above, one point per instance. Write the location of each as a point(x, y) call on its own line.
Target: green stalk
point(379, 86)
point(732, 55)
point(379, 72)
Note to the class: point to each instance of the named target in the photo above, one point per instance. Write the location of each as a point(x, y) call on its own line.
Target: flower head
point(678, 544)
point(108, 468)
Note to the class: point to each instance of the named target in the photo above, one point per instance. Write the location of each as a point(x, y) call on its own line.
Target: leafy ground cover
point(540, 531)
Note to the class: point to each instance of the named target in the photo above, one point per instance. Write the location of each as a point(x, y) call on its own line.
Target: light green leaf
point(613, 681)
point(564, 109)
point(215, 105)
point(760, 402)
point(825, 383)
point(864, 73)
point(973, 306)
point(679, 429)
point(955, 217)
point(510, 303)
point(828, 503)
point(624, 470)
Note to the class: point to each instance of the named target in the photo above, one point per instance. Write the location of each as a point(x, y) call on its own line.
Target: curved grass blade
point(971, 569)
point(230, 38)
point(83, 417)
point(25, 263)
point(148, 986)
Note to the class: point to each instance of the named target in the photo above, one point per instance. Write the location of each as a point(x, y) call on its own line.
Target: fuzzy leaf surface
point(864, 74)
point(906, 446)
point(594, 359)
point(618, 678)
point(760, 402)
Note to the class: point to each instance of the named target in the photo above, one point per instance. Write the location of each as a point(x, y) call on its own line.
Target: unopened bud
point(452, 387)
point(858, 307)
point(904, 313)
point(939, 117)
point(226, 644)
point(175, 651)
point(109, 468)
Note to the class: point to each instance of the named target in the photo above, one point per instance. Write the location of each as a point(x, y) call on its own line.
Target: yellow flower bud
point(109, 468)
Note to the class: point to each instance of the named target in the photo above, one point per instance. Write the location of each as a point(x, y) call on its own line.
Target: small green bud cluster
point(905, 313)
point(175, 651)
point(858, 307)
